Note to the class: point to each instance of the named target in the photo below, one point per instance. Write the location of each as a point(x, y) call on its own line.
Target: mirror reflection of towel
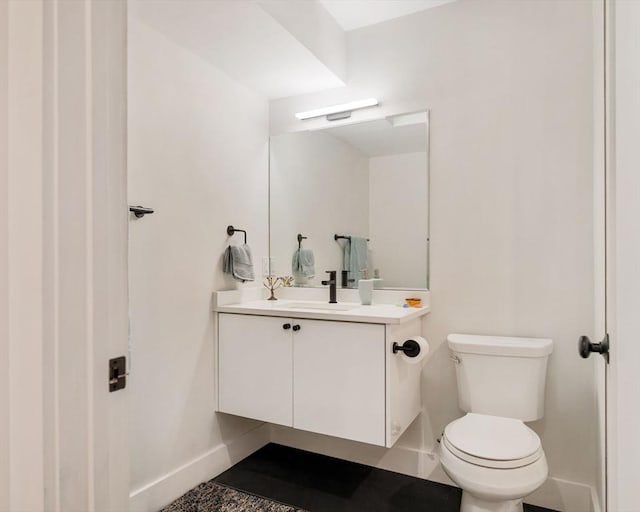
point(303, 262)
point(237, 262)
point(355, 257)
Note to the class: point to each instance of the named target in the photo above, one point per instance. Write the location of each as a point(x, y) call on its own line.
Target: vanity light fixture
point(336, 112)
point(407, 119)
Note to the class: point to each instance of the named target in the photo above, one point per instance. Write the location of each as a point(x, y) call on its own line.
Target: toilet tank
point(501, 376)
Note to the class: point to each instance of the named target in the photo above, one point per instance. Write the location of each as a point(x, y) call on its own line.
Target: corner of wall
point(171, 486)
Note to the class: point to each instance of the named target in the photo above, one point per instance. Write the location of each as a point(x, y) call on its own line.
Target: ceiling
point(241, 39)
point(352, 14)
point(264, 51)
point(381, 137)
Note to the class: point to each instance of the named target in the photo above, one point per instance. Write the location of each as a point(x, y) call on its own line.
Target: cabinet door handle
point(296, 327)
point(286, 326)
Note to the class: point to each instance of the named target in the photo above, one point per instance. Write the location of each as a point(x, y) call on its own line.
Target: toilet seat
point(492, 441)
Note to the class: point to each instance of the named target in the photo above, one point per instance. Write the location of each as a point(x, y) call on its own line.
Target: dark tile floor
point(323, 484)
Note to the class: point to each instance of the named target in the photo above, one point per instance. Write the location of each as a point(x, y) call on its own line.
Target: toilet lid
point(492, 441)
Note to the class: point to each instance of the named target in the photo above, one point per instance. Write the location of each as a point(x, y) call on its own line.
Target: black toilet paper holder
point(411, 348)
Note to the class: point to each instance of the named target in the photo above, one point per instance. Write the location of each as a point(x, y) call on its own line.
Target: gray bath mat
point(213, 497)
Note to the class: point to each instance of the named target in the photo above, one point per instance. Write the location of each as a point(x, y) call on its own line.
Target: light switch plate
point(268, 265)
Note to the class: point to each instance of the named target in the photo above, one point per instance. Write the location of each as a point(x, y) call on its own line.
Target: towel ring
point(231, 231)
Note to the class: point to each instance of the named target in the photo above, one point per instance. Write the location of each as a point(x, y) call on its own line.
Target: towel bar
point(346, 237)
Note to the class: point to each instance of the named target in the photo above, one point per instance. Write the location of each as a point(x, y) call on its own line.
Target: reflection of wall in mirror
point(319, 187)
point(399, 217)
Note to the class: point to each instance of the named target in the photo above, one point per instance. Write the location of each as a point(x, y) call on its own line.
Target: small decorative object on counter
point(272, 283)
point(377, 280)
point(413, 302)
point(287, 281)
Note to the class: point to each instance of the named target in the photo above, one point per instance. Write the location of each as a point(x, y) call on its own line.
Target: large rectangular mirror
point(359, 195)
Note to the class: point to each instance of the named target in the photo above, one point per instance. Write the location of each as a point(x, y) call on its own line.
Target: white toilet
point(490, 453)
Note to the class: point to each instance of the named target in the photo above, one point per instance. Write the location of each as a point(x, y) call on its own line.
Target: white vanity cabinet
point(321, 376)
point(339, 378)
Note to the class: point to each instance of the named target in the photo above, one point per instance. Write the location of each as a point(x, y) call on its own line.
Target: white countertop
point(375, 313)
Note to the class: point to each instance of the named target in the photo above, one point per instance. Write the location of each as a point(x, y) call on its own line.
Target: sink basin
point(322, 306)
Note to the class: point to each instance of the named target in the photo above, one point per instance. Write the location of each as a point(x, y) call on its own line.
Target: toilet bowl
point(495, 461)
point(490, 453)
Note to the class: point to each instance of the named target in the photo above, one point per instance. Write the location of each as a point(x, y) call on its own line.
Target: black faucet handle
point(345, 279)
point(332, 277)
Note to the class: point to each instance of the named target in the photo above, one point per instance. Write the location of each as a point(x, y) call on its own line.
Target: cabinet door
point(339, 380)
point(254, 367)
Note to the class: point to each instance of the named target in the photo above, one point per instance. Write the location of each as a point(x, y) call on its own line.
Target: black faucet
point(346, 282)
point(332, 286)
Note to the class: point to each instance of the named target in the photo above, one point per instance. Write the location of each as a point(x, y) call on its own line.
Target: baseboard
point(564, 495)
point(556, 493)
point(595, 500)
point(152, 497)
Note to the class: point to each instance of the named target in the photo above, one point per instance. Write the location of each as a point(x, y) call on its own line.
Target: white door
point(85, 131)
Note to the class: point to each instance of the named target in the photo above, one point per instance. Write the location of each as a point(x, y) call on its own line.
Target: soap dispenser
point(365, 288)
point(377, 280)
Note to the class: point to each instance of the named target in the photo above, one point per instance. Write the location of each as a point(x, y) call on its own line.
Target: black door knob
point(585, 347)
point(296, 327)
point(286, 326)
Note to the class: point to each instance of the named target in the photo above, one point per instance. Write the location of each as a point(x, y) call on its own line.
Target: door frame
point(21, 318)
point(64, 444)
point(623, 254)
point(40, 252)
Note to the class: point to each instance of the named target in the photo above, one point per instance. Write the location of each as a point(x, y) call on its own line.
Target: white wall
point(397, 213)
point(198, 154)
point(319, 187)
point(509, 89)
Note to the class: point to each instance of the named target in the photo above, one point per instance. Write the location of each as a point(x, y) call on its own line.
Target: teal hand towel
point(303, 262)
point(237, 262)
point(355, 258)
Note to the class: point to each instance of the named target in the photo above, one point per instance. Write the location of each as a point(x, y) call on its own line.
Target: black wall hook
point(300, 239)
point(140, 211)
point(231, 231)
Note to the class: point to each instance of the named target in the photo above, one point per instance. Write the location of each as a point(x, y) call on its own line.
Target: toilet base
point(471, 503)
